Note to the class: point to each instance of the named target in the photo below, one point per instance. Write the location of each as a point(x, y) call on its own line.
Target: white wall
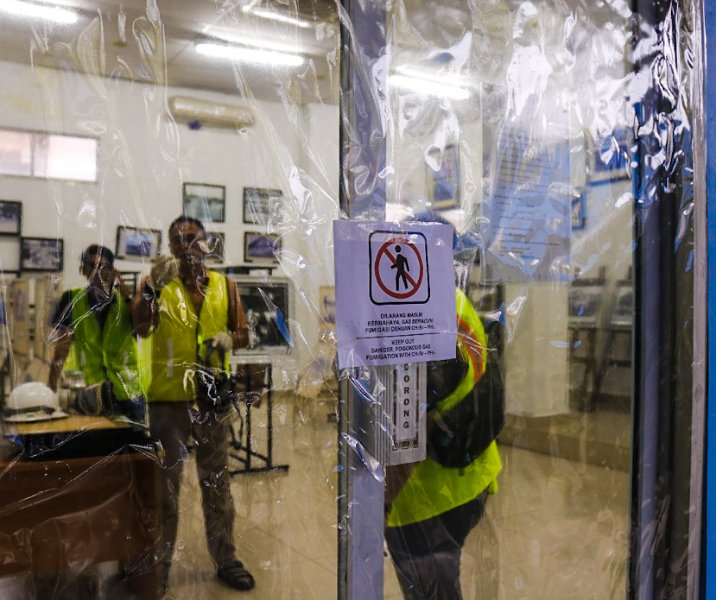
point(144, 158)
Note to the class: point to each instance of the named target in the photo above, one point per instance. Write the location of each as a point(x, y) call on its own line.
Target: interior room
point(120, 117)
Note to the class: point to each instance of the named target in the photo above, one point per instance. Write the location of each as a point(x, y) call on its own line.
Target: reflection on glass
point(65, 157)
point(34, 10)
point(15, 152)
point(139, 113)
point(103, 347)
point(507, 118)
point(532, 97)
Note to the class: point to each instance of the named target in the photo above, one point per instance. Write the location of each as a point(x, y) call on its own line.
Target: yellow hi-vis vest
point(433, 489)
point(109, 352)
point(177, 342)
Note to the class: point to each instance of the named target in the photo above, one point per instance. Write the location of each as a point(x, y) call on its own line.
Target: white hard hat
point(32, 401)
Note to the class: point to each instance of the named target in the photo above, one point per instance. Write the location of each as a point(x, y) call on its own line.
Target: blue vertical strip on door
point(710, 121)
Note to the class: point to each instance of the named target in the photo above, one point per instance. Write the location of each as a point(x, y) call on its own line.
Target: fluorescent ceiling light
point(276, 16)
point(243, 40)
point(39, 11)
point(254, 55)
point(430, 86)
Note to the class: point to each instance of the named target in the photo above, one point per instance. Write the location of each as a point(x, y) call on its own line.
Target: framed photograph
point(579, 212)
point(205, 202)
point(623, 314)
point(584, 303)
point(610, 157)
point(444, 184)
point(267, 311)
point(262, 206)
point(41, 254)
point(215, 242)
point(10, 217)
point(261, 247)
point(134, 242)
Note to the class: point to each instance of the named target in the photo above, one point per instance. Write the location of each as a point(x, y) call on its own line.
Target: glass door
point(534, 130)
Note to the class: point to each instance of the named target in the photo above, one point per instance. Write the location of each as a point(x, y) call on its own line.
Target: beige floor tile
point(557, 529)
point(391, 587)
point(297, 580)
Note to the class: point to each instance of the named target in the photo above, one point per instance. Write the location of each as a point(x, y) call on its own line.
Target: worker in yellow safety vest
point(431, 506)
point(93, 333)
point(184, 310)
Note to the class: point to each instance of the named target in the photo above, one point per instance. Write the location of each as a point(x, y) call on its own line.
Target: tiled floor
point(556, 530)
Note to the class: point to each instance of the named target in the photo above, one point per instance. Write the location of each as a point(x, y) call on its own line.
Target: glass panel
point(15, 152)
point(65, 157)
point(209, 437)
point(512, 122)
point(168, 306)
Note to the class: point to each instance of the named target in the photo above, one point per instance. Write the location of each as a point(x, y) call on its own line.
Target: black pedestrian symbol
point(401, 265)
point(403, 256)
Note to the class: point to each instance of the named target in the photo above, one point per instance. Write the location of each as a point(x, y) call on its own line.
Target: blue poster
point(528, 209)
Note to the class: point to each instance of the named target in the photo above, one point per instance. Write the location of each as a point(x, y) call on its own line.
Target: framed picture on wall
point(41, 254)
point(215, 244)
point(261, 247)
point(10, 217)
point(262, 206)
point(266, 306)
point(204, 201)
point(623, 314)
point(610, 157)
point(444, 183)
point(584, 302)
point(135, 242)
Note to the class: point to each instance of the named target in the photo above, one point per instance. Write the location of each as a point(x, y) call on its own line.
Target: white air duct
point(204, 113)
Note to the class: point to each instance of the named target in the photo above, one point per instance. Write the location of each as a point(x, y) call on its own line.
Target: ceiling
point(154, 41)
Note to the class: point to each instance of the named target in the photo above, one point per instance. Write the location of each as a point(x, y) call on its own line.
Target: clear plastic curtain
point(170, 175)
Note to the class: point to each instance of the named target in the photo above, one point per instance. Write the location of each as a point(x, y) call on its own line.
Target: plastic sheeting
point(198, 419)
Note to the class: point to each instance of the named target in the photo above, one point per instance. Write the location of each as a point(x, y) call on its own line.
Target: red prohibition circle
point(384, 250)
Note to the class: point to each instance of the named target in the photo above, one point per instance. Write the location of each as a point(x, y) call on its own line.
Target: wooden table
point(82, 510)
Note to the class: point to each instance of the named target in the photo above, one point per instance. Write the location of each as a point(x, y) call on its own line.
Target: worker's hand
point(163, 271)
point(224, 341)
point(120, 285)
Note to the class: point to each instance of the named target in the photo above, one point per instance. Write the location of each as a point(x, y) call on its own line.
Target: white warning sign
point(395, 293)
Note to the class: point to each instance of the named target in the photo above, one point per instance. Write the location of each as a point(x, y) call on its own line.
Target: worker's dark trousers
point(426, 555)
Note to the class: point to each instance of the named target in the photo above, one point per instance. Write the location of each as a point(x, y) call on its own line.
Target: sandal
point(235, 575)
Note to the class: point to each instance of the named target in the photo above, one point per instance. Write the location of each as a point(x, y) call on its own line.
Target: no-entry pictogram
point(399, 268)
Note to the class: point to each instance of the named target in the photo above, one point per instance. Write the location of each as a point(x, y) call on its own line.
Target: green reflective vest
point(433, 489)
point(176, 344)
point(108, 352)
